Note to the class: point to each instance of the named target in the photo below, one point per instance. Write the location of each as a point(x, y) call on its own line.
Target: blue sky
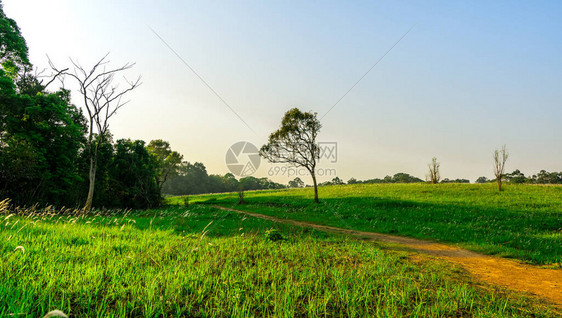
point(470, 77)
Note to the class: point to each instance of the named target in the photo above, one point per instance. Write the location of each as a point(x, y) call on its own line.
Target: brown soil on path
point(542, 282)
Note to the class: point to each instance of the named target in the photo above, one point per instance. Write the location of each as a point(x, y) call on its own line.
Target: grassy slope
point(524, 221)
point(172, 262)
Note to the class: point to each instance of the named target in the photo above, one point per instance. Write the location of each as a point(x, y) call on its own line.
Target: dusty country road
point(542, 282)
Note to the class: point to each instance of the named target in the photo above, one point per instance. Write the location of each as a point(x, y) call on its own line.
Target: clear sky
point(470, 77)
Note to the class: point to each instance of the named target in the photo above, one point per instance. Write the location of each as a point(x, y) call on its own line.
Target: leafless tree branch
point(102, 97)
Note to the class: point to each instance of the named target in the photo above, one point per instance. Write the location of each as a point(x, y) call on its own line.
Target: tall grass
point(176, 262)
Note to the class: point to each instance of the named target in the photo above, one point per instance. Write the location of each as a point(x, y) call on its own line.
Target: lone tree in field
point(500, 157)
point(434, 176)
point(295, 143)
point(102, 97)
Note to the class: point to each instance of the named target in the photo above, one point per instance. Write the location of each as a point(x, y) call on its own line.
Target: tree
point(191, 179)
point(104, 161)
point(168, 161)
point(41, 132)
point(249, 183)
point(101, 97)
point(337, 181)
point(434, 174)
point(482, 180)
point(447, 180)
point(40, 140)
point(402, 177)
point(296, 183)
point(295, 143)
point(132, 176)
point(334, 181)
point(516, 177)
point(230, 183)
point(13, 48)
point(544, 177)
point(500, 158)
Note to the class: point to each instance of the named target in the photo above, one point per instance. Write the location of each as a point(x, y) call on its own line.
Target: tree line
point(193, 179)
point(49, 149)
point(517, 177)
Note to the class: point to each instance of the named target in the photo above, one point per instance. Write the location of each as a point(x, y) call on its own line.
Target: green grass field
point(523, 222)
point(205, 262)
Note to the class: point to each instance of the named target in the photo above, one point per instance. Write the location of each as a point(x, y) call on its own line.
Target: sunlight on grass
point(524, 221)
point(159, 263)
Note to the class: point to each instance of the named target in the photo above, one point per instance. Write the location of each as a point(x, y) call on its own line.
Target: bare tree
point(500, 157)
point(295, 143)
point(102, 97)
point(434, 176)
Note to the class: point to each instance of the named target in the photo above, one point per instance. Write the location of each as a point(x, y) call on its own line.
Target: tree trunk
point(315, 187)
point(90, 199)
point(499, 184)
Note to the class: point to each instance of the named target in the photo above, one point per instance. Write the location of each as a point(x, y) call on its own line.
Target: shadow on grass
point(519, 233)
point(201, 219)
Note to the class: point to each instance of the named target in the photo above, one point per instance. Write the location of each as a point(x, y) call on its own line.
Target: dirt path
point(542, 282)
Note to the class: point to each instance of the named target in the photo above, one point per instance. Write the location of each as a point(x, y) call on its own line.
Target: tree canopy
point(295, 143)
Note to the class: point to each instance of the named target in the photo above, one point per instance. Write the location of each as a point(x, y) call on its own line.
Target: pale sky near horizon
point(470, 77)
